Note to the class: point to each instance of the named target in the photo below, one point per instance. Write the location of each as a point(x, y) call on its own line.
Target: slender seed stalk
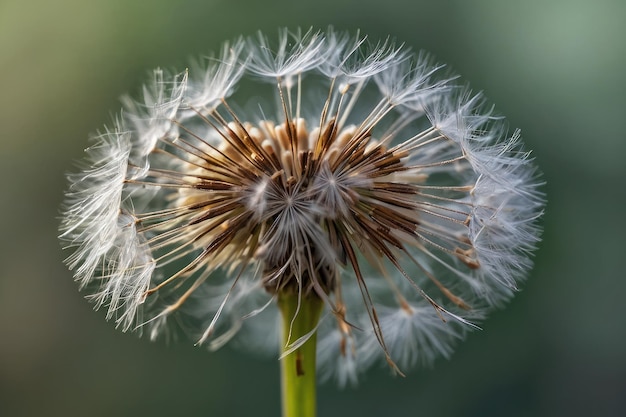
point(298, 367)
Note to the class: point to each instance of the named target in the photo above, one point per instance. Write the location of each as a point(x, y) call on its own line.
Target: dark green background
point(555, 68)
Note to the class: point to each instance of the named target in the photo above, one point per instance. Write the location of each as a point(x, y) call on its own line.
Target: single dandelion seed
point(356, 190)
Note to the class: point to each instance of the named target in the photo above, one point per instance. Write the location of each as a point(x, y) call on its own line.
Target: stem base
point(299, 315)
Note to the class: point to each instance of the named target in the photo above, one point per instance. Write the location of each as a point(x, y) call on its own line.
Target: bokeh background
point(556, 68)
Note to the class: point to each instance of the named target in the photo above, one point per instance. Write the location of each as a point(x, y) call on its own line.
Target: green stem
point(298, 368)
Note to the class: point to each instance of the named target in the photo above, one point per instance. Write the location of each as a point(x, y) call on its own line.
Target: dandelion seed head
point(365, 176)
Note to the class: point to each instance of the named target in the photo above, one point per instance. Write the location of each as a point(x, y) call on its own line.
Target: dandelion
point(318, 189)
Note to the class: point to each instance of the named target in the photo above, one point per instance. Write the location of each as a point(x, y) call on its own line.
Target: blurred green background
point(556, 68)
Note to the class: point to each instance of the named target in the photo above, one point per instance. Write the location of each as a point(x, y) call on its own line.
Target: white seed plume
point(359, 173)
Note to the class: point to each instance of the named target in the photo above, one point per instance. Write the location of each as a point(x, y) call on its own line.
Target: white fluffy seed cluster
point(359, 173)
